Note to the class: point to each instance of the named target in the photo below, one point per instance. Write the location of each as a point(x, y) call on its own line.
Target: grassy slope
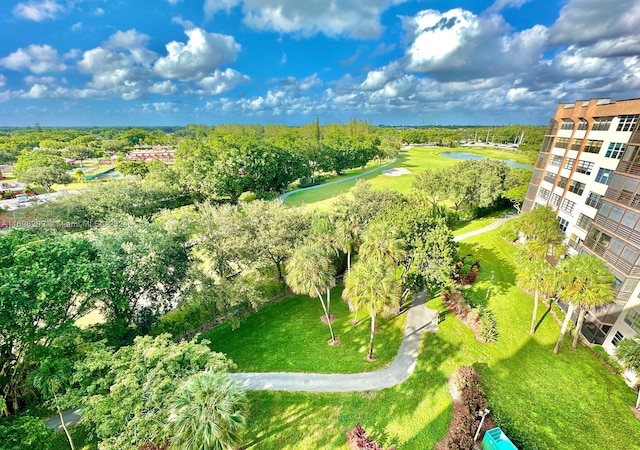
point(298, 343)
point(565, 401)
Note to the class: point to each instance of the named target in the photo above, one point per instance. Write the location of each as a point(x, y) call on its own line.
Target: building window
point(552, 128)
point(567, 206)
point(568, 164)
point(555, 160)
point(615, 150)
point(563, 224)
point(567, 124)
point(562, 182)
point(576, 144)
point(583, 125)
point(585, 167)
point(544, 193)
point(583, 221)
point(576, 187)
point(617, 338)
point(555, 199)
point(633, 320)
point(546, 144)
point(561, 143)
point(593, 146)
point(550, 177)
point(604, 176)
point(594, 200)
point(627, 122)
point(601, 124)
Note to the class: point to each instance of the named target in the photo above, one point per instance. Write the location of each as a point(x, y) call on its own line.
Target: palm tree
point(49, 379)
point(585, 283)
point(628, 352)
point(381, 244)
point(373, 286)
point(208, 412)
point(347, 232)
point(309, 272)
point(535, 275)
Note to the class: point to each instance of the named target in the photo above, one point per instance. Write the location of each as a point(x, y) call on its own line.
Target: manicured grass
point(416, 160)
point(463, 227)
point(288, 336)
point(565, 401)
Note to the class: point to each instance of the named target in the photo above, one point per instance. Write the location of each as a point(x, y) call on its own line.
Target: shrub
point(489, 324)
point(466, 271)
point(357, 440)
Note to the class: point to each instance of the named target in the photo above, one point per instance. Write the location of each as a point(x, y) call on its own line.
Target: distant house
point(164, 153)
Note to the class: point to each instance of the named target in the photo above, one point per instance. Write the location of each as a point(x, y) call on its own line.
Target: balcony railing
point(626, 198)
point(630, 167)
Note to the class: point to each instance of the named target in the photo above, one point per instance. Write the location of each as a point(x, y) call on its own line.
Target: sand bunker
point(396, 172)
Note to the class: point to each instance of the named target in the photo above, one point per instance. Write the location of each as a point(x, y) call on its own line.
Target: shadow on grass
point(548, 401)
point(497, 274)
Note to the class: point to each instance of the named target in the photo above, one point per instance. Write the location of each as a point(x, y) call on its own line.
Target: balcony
point(626, 198)
point(629, 167)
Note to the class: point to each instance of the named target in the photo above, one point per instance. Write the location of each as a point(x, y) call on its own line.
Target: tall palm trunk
point(348, 261)
point(565, 325)
point(638, 400)
point(333, 338)
point(64, 426)
point(329, 300)
point(534, 317)
point(578, 328)
point(373, 328)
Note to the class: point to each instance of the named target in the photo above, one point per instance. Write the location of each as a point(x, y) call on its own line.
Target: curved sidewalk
point(420, 319)
point(318, 186)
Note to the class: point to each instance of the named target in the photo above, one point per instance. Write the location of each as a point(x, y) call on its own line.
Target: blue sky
point(422, 62)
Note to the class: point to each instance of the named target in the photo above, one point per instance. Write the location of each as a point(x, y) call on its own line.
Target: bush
point(466, 271)
point(21, 432)
point(489, 324)
point(357, 440)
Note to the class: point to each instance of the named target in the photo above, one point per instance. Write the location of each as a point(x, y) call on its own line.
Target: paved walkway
point(420, 319)
point(318, 186)
point(491, 226)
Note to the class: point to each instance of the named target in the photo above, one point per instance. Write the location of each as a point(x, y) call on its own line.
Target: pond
point(465, 156)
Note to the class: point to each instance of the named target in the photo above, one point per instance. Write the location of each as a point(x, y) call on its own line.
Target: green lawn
point(288, 336)
point(565, 401)
point(415, 160)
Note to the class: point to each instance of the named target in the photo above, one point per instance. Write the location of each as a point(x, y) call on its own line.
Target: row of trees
point(583, 282)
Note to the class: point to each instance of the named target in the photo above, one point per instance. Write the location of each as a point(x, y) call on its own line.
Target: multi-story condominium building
point(588, 170)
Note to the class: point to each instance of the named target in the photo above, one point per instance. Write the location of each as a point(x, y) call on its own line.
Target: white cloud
point(458, 44)
point(174, 2)
point(499, 5)
point(213, 6)
point(202, 54)
point(186, 24)
point(36, 58)
point(165, 87)
point(76, 26)
point(38, 11)
point(221, 81)
point(355, 18)
point(160, 107)
point(30, 79)
point(587, 21)
point(3, 80)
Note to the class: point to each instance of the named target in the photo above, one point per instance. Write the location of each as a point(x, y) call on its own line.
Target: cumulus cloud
point(160, 107)
point(38, 11)
point(588, 21)
point(356, 18)
point(221, 81)
point(36, 58)
point(3, 80)
point(165, 87)
point(202, 54)
point(458, 44)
